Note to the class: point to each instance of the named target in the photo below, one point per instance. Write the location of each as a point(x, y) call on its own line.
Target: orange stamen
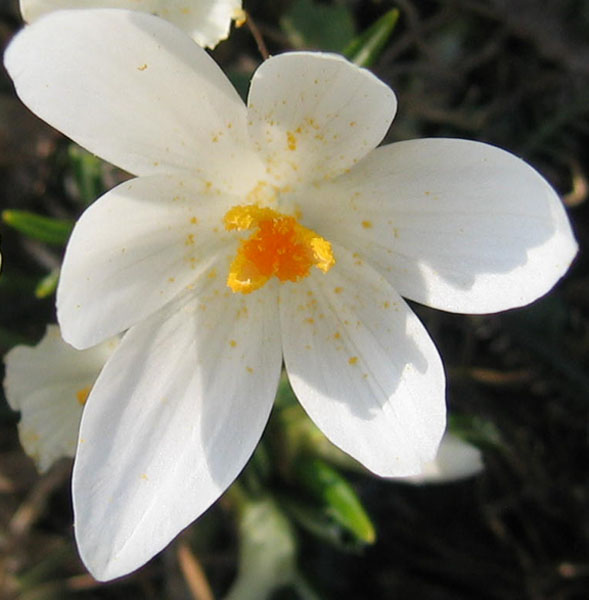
point(279, 247)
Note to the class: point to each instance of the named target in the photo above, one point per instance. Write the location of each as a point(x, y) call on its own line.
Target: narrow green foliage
point(309, 24)
point(87, 170)
point(47, 286)
point(45, 229)
point(365, 49)
point(257, 472)
point(475, 431)
point(336, 498)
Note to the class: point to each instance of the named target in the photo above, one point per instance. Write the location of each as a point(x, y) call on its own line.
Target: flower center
point(279, 247)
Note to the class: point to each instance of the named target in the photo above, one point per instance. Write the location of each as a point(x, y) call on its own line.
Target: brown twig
point(33, 506)
point(193, 573)
point(257, 36)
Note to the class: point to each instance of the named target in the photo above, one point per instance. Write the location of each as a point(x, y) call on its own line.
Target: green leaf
point(336, 497)
point(47, 286)
point(475, 431)
point(367, 47)
point(87, 170)
point(258, 470)
point(45, 229)
point(309, 24)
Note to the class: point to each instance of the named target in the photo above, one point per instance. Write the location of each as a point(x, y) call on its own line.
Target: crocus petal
point(207, 21)
point(48, 384)
point(134, 250)
point(455, 460)
point(363, 367)
point(134, 90)
point(313, 115)
point(454, 224)
point(171, 421)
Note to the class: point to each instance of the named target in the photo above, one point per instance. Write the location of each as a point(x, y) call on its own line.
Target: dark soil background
point(512, 73)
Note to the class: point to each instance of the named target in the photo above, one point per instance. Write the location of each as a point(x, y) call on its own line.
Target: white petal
point(172, 420)
point(137, 248)
point(207, 21)
point(313, 115)
point(454, 224)
point(134, 90)
point(363, 367)
point(43, 383)
point(455, 460)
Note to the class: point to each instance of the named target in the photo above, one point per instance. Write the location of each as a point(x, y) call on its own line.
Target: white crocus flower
point(455, 459)
point(206, 21)
point(254, 234)
point(49, 384)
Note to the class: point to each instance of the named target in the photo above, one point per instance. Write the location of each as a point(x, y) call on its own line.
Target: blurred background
point(511, 73)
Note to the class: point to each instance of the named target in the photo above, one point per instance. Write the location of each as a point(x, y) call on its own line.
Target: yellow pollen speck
point(144, 477)
point(337, 335)
point(352, 360)
point(249, 369)
point(171, 279)
point(312, 123)
point(142, 67)
point(82, 394)
point(367, 224)
point(386, 304)
point(291, 140)
point(279, 247)
point(189, 240)
point(212, 274)
point(193, 220)
point(352, 123)
point(338, 290)
point(310, 320)
point(233, 343)
point(261, 193)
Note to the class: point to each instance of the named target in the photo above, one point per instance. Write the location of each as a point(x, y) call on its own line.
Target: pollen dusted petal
point(363, 367)
point(49, 383)
point(455, 224)
point(279, 247)
point(194, 409)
